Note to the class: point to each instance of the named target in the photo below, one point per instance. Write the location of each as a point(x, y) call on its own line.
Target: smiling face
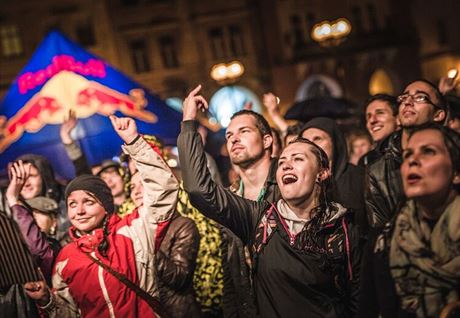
point(34, 183)
point(245, 143)
point(413, 113)
point(427, 169)
point(297, 174)
point(85, 212)
point(380, 121)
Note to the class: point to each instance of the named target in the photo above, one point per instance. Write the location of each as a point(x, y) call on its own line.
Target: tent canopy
point(62, 76)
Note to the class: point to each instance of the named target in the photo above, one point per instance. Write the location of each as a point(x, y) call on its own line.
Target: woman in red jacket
point(107, 250)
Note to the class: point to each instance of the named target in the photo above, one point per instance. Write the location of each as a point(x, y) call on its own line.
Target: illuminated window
point(380, 82)
point(10, 41)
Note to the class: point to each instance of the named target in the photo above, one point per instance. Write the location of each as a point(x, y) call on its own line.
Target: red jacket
point(83, 288)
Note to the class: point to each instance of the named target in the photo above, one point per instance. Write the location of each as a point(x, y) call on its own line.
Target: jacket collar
point(89, 242)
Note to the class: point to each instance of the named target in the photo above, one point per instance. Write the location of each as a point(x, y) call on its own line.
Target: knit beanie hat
point(94, 185)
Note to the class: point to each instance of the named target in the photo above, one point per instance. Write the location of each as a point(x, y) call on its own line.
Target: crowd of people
point(315, 223)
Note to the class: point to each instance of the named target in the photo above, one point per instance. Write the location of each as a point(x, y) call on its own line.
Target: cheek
point(71, 213)
point(442, 174)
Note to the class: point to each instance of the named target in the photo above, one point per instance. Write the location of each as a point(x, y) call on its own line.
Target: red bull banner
point(61, 76)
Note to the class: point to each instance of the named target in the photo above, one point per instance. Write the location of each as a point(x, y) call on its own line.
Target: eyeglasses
point(418, 98)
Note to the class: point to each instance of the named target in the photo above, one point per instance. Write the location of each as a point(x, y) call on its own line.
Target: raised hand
point(18, 172)
point(125, 127)
point(67, 126)
point(447, 84)
point(271, 103)
point(192, 103)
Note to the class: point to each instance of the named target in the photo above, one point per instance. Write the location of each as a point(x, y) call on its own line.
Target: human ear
point(268, 141)
point(456, 179)
point(323, 175)
point(439, 115)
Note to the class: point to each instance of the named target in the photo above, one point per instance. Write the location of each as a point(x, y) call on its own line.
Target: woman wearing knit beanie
point(94, 274)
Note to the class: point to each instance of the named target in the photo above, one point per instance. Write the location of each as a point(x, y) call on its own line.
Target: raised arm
point(35, 239)
point(270, 102)
point(160, 184)
point(71, 147)
point(214, 201)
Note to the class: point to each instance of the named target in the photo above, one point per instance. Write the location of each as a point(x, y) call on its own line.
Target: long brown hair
point(309, 238)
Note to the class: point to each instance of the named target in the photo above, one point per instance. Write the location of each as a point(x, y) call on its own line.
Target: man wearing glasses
point(421, 102)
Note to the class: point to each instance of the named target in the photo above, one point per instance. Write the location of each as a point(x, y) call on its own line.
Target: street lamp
point(226, 73)
point(331, 33)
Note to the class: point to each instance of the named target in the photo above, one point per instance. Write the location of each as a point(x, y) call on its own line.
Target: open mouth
point(289, 178)
point(376, 128)
point(413, 178)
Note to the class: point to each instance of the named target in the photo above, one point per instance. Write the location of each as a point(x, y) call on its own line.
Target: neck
point(254, 177)
point(434, 206)
point(404, 138)
point(304, 209)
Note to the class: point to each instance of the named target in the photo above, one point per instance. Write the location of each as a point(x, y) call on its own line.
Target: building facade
point(171, 45)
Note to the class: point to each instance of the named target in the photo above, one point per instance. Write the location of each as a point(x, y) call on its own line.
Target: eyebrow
point(240, 128)
point(294, 154)
point(417, 92)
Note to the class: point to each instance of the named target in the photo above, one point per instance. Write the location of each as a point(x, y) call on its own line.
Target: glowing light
point(223, 72)
point(452, 73)
point(326, 31)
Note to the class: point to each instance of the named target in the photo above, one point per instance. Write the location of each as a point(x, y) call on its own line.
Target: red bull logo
point(30, 80)
point(65, 90)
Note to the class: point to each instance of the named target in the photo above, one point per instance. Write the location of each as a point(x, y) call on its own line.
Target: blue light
point(230, 99)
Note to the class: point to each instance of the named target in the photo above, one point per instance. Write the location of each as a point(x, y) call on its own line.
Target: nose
point(408, 100)
point(80, 209)
point(372, 119)
point(234, 139)
point(413, 160)
point(286, 165)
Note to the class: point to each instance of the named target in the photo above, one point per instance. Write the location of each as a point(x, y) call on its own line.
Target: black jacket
point(176, 261)
point(384, 193)
point(378, 293)
point(238, 299)
point(289, 282)
point(348, 187)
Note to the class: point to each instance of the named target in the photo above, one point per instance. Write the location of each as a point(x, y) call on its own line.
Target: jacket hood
point(50, 187)
point(339, 144)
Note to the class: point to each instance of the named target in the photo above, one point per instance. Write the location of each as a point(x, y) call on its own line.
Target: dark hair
point(390, 100)
point(442, 103)
point(50, 187)
point(309, 238)
point(261, 123)
point(276, 135)
point(451, 140)
point(104, 244)
point(454, 106)
point(293, 130)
